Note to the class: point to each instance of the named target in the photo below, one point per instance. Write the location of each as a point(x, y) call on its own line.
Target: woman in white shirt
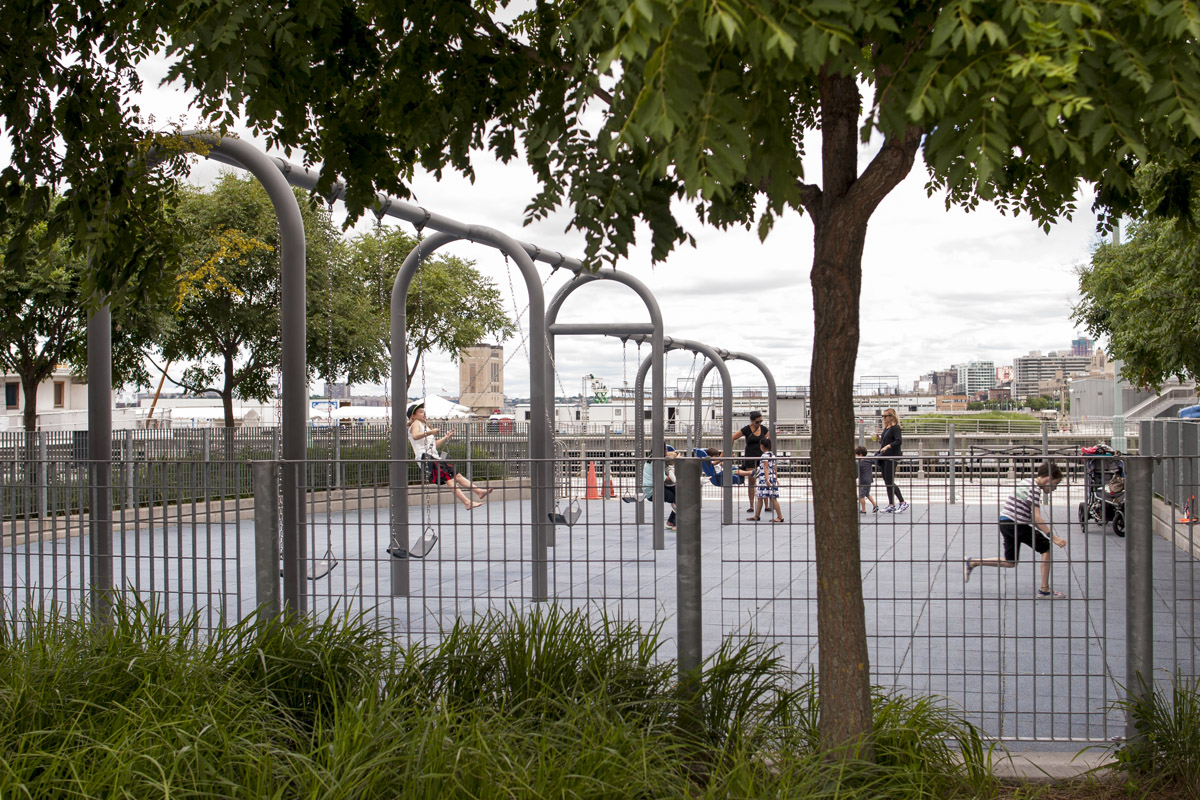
point(425, 444)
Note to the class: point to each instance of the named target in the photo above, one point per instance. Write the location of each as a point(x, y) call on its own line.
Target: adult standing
point(889, 451)
point(753, 433)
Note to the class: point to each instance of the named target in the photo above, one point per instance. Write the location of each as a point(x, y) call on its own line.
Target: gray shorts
point(864, 490)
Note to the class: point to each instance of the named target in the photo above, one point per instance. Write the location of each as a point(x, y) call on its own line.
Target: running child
point(1021, 523)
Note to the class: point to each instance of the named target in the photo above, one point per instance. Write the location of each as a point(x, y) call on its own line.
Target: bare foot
point(474, 506)
point(483, 492)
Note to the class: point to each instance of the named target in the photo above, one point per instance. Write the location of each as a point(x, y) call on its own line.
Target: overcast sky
point(940, 286)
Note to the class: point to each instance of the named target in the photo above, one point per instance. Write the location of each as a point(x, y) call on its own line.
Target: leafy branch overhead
point(624, 108)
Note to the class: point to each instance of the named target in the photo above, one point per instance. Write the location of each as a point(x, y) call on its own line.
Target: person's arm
point(737, 435)
point(424, 431)
point(1044, 527)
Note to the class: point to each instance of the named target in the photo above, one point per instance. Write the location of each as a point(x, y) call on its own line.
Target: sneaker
point(903, 507)
point(967, 570)
point(874, 509)
point(670, 526)
point(862, 511)
point(889, 509)
point(1049, 594)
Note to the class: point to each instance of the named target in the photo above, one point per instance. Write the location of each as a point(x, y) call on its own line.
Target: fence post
point(1045, 441)
point(43, 474)
point(337, 456)
point(265, 481)
point(470, 460)
point(689, 617)
point(950, 432)
point(1139, 584)
point(129, 495)
point(206, 444)
point(607, 458)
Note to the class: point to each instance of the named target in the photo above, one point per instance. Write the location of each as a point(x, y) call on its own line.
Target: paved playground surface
point(1021, 668)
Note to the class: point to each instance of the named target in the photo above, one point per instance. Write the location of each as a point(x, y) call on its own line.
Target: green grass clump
point(1167, 751)
point(549, 703)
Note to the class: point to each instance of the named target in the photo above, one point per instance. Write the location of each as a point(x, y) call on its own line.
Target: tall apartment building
point(1082, 346)
point(1034, 372)
point(976, 376)
point(481, 378)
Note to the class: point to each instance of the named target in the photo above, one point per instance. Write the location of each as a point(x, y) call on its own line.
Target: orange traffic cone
point(593, 488)
point(609, 491)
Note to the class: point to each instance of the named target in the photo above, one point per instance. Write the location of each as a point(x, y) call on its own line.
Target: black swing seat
point(421, 549)
point(566, 513)
point(319, 568)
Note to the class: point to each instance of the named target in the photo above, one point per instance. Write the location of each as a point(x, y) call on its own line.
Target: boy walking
point(866, 476)
point(1021, 523)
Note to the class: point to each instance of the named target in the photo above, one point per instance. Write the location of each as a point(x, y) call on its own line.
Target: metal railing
point(184, 536)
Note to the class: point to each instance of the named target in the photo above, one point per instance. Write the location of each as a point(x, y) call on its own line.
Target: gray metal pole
point(953, 465)
point(265, 478)
point(294, 374)
point(1045, 441)
point(1139, 583)
point(542, 499)
point(99, 393)
point(43, 476)
point(690, 618)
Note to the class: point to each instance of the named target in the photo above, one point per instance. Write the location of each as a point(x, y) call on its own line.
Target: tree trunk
point(841, 210)
point(29, 388)
point(227, 404)
point(227, 394)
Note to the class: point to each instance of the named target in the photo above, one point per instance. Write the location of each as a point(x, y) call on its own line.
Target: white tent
point(441, 408)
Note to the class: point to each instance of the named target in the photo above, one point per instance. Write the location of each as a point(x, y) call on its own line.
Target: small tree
point(1143, 298)
point(225, 319)
point(450, 306)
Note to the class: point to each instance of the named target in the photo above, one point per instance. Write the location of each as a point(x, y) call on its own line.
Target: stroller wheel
point(1082, 513)
point(1119, 523)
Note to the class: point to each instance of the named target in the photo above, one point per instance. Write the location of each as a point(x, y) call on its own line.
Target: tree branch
point(887, 169)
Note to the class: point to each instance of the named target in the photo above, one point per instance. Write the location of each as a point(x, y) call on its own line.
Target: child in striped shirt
point(1021, 523)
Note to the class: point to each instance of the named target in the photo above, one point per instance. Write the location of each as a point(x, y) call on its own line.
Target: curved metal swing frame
point(669, 344)
point(653, 330)
point(727, 356)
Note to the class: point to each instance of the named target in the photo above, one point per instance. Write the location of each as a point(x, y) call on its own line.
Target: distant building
point(481, 378)
point(1082, 346)
point(1036, 373)
point(952, 402)
point(59, 394)
point(1004, 375)
point(975, 377)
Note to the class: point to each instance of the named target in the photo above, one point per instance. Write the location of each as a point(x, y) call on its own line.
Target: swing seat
point(421, 549)
point(319, 568)
point(566, 513)
point(322, 568)
point(714, 477)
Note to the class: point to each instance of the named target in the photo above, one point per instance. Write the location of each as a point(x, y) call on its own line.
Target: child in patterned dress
point(768, 483)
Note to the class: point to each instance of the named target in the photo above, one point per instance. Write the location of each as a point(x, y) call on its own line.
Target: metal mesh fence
point(1021, 667)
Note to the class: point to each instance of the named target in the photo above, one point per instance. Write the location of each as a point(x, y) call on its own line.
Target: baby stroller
point(1104, 483)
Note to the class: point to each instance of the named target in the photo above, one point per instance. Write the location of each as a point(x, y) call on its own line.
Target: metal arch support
point(386, 205)
point(541, 499)
point(294, 398)
point(655, 335)
point(729, 355)
point(727, 422)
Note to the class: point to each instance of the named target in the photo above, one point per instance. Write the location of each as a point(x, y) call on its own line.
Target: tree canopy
point(1143, 298)
point(224, 320)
